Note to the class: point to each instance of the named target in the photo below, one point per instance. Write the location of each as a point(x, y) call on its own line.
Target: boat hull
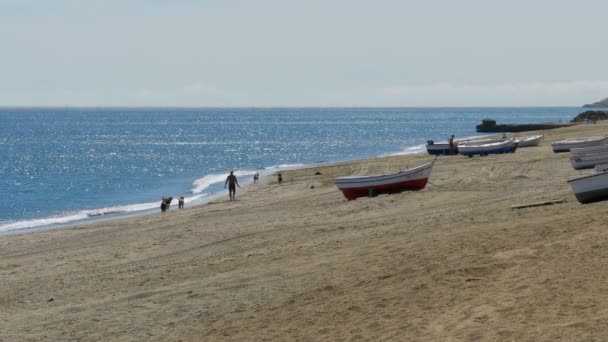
point(530, 141)
point(411, 185)
point(440, 149)
point(598, 149)
point(484, 149)
point(409, 180)
point(567, 145)
point(592, 188)
point(588, 161)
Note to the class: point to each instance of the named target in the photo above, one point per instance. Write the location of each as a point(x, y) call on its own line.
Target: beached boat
point(410, 179)
point(603, 148)
point(591, 188)
point(482, 141)
point(440, 149)
point(472, 148)
point(568, 144)
point(443, 148)
point(533, 140)
point(587, 161)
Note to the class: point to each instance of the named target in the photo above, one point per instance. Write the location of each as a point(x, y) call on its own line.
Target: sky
point(277, 53)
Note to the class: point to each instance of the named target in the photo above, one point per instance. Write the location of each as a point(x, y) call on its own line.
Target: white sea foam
point(89, 214)
point(409, 150)
point(202, 184)
point(78, 216)
point(284, 166)
point(43, 222)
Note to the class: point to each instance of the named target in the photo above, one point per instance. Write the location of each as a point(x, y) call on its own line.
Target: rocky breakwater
point(591, 115)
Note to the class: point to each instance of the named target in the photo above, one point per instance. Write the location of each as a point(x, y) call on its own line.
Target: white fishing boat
point(482, 148)
point(410, 179)
point(482, 141)
point(439, 149)
point(587, 161)
point(533, 140)
point(591, 188)
point(568, 144)
point(603, 148)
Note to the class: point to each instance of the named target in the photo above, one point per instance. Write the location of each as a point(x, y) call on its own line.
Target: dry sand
point(453, 262)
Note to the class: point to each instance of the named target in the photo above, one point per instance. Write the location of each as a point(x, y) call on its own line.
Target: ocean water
point(61, 166)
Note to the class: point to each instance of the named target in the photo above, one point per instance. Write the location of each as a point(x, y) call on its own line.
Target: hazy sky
point(303, 53)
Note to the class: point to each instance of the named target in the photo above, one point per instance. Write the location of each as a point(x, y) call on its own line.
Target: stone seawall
point(490, 126)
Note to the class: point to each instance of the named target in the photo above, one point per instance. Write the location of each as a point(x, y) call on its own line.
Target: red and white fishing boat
point(410, 179)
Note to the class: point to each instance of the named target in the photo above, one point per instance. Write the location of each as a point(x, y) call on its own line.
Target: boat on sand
point(587, 161)
point(567, 144)
point(529, 141)
point(590, 188)
point(472, 148)
point(589, 150)
point(410, 179)
point(441, 149)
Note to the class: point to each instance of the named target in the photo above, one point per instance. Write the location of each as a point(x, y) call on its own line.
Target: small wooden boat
point(472, 148)
point(591, 188)
point(440, 149)
point(587, 161)
point(411, 179)
point(533, 140)
point(482, 141)
point(568, 144)
point(589, 150)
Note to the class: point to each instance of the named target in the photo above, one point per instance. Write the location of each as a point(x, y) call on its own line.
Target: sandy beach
point(297, 262)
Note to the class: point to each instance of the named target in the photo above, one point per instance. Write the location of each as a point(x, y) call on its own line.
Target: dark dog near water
point(165, 203)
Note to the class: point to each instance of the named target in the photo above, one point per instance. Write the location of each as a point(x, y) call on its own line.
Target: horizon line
point(276, 107)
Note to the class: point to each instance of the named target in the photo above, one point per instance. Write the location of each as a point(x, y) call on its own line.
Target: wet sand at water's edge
point(453, 262)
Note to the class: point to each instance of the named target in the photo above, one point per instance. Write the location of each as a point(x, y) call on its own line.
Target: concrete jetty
point(488, 125)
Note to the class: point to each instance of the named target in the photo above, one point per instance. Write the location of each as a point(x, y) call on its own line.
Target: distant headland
point(599, 104)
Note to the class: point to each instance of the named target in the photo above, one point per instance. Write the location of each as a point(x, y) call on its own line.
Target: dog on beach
point(165, 203)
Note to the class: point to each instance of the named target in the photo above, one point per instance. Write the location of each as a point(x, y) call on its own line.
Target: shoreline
point(202, 200)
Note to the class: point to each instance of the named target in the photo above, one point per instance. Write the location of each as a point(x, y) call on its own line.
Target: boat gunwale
point(389, 176)
point(587, 176)
point(579, 140)
point(493, 144)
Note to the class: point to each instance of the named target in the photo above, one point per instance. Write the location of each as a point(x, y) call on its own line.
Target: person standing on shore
point(451, 142)
point(181, 202)
point(232, 183)
point(280, 178)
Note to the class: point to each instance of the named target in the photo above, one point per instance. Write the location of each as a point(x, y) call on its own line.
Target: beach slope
point(297, 262)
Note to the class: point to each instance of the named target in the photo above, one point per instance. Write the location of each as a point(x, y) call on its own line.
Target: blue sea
point(70, 165)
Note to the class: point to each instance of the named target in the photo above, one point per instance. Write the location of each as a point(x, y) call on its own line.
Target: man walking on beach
point(232, 184)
